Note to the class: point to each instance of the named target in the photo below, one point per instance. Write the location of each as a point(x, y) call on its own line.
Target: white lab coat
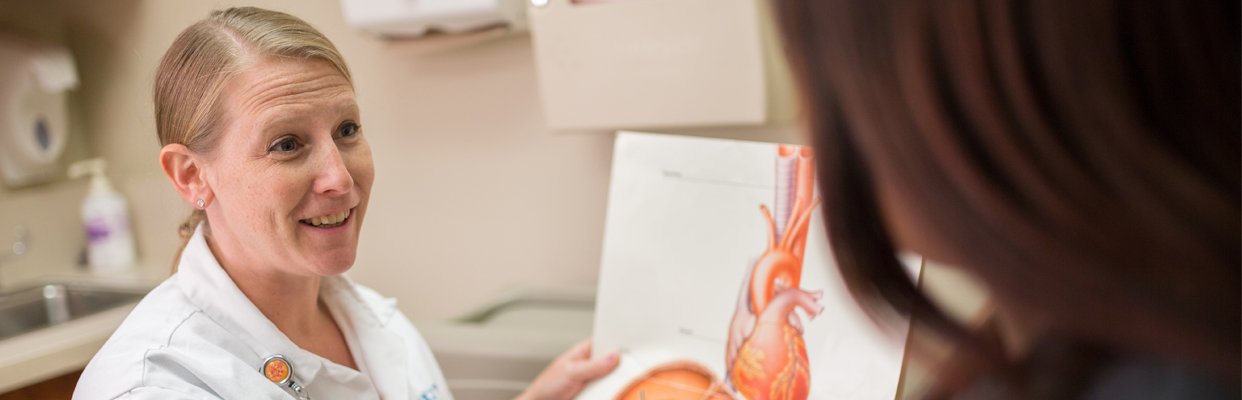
point(197, 336)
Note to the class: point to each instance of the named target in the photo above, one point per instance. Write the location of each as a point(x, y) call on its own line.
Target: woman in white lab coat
point(262, 135)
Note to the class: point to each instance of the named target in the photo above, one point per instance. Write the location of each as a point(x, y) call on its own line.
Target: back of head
point(200, 61)
point(1080, 158)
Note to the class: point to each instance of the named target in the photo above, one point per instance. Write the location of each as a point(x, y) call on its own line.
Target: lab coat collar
point(211, 290)
point(378, 310)
point(383, 353)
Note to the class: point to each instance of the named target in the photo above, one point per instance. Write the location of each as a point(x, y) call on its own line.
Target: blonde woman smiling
point(262, 134)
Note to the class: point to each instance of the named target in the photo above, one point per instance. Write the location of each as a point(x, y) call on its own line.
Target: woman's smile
point(329, 221)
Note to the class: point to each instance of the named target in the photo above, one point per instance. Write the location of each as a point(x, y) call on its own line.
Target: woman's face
point(292, 171)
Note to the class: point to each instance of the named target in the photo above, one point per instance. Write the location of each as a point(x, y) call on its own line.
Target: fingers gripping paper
point(716, 280)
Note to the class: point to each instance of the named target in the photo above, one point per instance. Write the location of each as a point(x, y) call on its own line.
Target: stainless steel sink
point(36, 307)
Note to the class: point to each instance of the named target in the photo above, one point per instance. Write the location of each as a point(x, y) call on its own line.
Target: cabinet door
point(649, 63)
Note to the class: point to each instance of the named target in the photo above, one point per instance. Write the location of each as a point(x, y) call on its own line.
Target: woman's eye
point(348, 129)
point(284, 145)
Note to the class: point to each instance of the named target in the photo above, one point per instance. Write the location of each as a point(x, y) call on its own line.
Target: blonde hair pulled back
point(202, 59)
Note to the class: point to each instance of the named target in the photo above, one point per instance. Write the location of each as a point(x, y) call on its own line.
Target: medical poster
point(717, 282)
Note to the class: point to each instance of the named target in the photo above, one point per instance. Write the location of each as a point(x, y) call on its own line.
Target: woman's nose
point(333, 174)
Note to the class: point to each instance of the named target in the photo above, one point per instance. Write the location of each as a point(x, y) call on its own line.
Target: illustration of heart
point(772, 363)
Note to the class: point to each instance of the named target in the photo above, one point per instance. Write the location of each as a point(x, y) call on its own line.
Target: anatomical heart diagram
point(716, 280)
point(766, 355)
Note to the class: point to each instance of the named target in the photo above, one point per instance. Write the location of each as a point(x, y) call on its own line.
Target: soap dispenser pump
point(105, 216)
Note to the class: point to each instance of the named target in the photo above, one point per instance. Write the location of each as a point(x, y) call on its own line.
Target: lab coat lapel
point(385, 354)
point(210, 289)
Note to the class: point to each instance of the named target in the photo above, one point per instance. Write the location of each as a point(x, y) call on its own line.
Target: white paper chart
point(717, 282)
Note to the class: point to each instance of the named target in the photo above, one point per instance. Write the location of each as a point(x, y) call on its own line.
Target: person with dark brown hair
point(1080, 159)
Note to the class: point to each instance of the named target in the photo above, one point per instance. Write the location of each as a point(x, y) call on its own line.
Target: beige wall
point(474, 195)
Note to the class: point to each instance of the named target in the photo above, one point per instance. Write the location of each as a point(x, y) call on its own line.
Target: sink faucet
point(21, 241)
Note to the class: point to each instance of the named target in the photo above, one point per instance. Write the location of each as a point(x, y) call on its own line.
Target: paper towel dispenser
point(34, 124)
point(415, 18)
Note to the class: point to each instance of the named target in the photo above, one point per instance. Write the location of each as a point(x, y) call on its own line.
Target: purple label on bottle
point(96, 230)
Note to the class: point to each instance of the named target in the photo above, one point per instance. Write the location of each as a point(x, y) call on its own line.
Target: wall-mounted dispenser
point(34, 123)
point(416, 18)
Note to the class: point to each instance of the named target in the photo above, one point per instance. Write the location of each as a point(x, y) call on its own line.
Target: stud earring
point(200, 203)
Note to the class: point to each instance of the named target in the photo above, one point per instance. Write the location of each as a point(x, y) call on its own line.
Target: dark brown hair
point(1080, 158)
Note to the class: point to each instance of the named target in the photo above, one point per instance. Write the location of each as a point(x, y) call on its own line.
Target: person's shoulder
point(164, 332)
point(1124, 376)
point(1142, 377)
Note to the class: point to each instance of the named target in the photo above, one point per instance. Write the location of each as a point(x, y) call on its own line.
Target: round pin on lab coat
point(277, 369)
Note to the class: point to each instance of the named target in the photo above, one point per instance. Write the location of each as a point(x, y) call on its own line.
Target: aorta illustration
point(765, 356)
point(770, 361)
